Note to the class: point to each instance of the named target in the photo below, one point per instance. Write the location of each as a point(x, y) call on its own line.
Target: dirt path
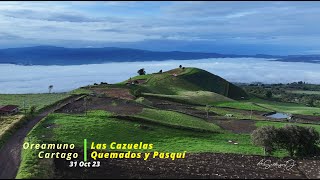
point(10, 153)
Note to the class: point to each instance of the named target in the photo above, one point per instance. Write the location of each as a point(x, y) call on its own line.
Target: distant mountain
point(51, 55)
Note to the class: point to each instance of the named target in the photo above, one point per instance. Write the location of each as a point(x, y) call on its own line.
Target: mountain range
point(51, 55)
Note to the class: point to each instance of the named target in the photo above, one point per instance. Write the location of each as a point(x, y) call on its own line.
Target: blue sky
point(222, 27)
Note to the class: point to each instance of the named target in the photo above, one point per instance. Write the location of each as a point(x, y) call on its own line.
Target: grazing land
point(184, 109)
point(28, 100)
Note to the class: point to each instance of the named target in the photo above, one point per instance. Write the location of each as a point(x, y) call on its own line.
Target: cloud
point(266, 23)
point(36, 79)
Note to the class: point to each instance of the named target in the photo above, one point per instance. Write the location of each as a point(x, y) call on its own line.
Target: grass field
point(236, 115)
point(178, 119)
point(39, 100)
point(101, 127)
point(7, 126)
point(304, 92)
point(286, 107)
point(267, 106)
point(241, 105)
point(281, 124)
point(194, 97)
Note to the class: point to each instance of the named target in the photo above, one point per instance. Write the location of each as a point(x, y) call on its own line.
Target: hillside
point(192, 83)
point(50, 55)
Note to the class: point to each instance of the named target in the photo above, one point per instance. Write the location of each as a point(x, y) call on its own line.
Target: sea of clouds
point(36, 79)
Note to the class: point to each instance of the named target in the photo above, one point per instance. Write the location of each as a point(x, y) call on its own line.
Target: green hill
point(188, 82)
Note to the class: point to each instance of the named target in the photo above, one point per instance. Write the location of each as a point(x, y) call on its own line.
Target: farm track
point(10, 153)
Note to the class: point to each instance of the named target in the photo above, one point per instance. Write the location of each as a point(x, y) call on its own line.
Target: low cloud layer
point(36, 79)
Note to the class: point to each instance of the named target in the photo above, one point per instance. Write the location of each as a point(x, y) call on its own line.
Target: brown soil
point(307, 118)
point(183, 108)
point(310, 167)
point(199, 165)
point(237, 126)
point(115, 105)
point(114, 92)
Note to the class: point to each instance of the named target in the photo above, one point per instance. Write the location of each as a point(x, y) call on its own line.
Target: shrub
point(137, 93)
point(297, 140)
point(141, 72)
point(269, 94)
point(266, 137)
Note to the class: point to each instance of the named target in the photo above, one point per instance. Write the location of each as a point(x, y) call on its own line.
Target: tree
point(50, 88)
point(160, 71)
point(208, 110)
point(298, 140)
point(141, 72)
point(269, 94)
point(266, 137)
point(310, 102)
point(32, 111)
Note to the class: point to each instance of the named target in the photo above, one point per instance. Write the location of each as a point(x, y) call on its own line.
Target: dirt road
point(10, 153)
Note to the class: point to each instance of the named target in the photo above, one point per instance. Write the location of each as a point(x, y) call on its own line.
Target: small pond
point(279, 116)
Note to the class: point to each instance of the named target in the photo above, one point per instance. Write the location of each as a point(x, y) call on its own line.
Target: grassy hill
point(188, 83)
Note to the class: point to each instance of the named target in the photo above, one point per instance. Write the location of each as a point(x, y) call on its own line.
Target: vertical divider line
point(85, 149)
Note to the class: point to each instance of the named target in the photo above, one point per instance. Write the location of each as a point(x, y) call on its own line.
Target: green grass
point(286, 107)
point(304, 92)
point(39, 100)
point(236, 115)
point(80, 91)
point(8, 124)
point(281, 124)
point(188, 79)
point(241, 105)
point(267, 106)
point(101, 127)
point(31, 166)
point(178, 119)
point(194, 97)
point(139, 77)
point(143, 101)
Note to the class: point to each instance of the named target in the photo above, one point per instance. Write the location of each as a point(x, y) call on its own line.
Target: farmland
point(28, 100)
point(170, 112)
point(9, 124)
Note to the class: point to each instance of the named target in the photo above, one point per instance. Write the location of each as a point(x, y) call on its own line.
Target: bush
point(141, 72)
point(297, 140)
point(266, 137)
point(269, 94)
point(137, 93)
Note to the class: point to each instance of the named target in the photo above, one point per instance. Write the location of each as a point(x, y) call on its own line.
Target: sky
point(278, 28)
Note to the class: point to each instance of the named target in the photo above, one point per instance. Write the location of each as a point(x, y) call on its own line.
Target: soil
point(114, 92)
point(183, 108)
point(237, 126)
point(114, 105)
point(198, 165)
point(10, 153)
point(306, 118)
